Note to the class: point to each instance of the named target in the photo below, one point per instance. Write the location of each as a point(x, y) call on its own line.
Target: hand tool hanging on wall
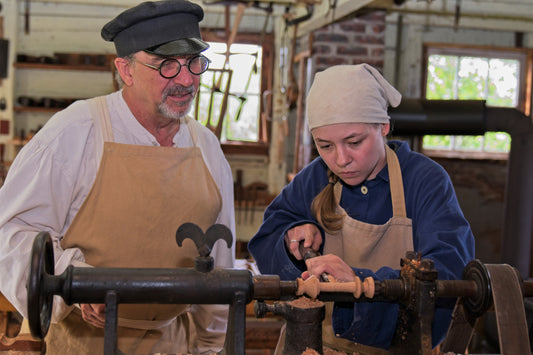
point(252, 192)
point(283, 62)
point(248, 197)
point(27, 17)
point(223, 104)
point(216, 86)
point(332, 5)
point(254, 69)
point(292, 90)
point(457, 15)
point(231, 38)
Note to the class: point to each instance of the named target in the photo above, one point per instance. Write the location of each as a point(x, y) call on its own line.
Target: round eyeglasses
point(171, 67)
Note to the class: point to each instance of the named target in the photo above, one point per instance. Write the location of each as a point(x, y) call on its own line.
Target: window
point(232, 95)
point(470, 73)
point(230, 100)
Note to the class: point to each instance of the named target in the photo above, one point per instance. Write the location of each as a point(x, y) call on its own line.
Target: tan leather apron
point(140, 196)
point(369, 246)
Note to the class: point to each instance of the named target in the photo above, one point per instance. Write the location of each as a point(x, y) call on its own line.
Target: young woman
point(363, 203)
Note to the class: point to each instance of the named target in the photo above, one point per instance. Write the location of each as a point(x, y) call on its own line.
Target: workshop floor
point(16, 339)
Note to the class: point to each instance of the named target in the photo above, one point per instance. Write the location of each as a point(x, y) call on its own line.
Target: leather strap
point(509, 309)
point(508, 303)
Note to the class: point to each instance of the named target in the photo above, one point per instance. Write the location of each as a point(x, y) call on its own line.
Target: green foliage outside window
point(452, 77)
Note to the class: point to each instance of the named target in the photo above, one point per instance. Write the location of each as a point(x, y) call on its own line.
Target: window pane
point(473, 74)
point(503, 79)
point(437, 142)
point(495, 80)
point(472, 143)
point(441, 77)
point(241, 120)
point(497, 142)
point(209, 98)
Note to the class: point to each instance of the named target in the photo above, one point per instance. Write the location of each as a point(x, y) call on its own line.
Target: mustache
point(179, 90)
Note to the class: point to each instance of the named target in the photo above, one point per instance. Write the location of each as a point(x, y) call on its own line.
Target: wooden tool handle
point(308, 253)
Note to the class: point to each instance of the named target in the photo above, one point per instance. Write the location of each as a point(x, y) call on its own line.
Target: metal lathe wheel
point(39, 301)
point(477, 272)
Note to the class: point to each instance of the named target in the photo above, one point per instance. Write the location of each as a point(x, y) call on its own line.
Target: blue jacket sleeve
point(290, 208)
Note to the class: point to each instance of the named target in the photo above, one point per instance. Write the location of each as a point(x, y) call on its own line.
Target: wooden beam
point(322, 15)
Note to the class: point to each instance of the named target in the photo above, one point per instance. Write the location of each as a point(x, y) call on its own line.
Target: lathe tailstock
point(483, 288)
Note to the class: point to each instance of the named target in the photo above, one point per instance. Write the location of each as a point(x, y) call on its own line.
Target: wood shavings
point(327, 351)
point(305, 302)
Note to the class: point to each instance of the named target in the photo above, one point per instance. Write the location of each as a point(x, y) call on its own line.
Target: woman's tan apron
point(140, 196)
point(369, 246)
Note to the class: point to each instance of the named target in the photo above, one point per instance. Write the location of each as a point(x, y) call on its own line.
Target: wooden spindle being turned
point(312, 287)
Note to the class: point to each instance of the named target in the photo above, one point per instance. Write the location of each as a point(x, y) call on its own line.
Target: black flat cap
point(165, 28)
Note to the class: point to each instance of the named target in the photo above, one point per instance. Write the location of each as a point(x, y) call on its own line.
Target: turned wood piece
point(312, 287)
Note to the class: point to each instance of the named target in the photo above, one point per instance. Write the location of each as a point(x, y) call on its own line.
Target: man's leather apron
point(369, 246)
point(140, 196)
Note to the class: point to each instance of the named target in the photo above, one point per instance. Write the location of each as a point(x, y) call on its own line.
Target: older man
point(112, 178)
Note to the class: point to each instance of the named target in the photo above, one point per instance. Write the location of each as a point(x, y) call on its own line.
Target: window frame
point(523, 55)
point(261, 147)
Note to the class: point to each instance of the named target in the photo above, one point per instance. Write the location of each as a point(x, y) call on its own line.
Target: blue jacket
point(440, 233)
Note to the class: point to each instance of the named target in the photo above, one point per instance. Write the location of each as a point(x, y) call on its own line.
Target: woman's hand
point(93, 314)
point(330, 264)
point(308, 233)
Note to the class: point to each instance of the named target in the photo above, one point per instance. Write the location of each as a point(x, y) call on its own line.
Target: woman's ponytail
point(324, 206)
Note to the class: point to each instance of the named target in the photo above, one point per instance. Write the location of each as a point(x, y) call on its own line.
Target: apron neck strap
point(103, 132)
point(396, 183)
point(100, 115)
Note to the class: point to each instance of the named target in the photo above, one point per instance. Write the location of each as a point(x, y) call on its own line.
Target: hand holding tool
point(308, 253)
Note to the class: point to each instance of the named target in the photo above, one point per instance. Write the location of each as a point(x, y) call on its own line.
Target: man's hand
point(308, 233)
point(93, 314)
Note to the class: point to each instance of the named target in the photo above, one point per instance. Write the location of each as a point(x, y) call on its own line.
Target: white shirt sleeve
point(41, 193)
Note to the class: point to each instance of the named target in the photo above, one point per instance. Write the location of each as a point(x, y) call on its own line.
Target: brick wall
point(357, 40)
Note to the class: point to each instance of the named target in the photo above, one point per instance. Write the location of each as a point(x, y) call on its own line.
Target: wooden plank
point(262, 333)
point(24, 343)
point(5, 305)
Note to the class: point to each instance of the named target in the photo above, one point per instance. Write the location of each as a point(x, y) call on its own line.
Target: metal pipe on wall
point(518, 212)
point(458, 117)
